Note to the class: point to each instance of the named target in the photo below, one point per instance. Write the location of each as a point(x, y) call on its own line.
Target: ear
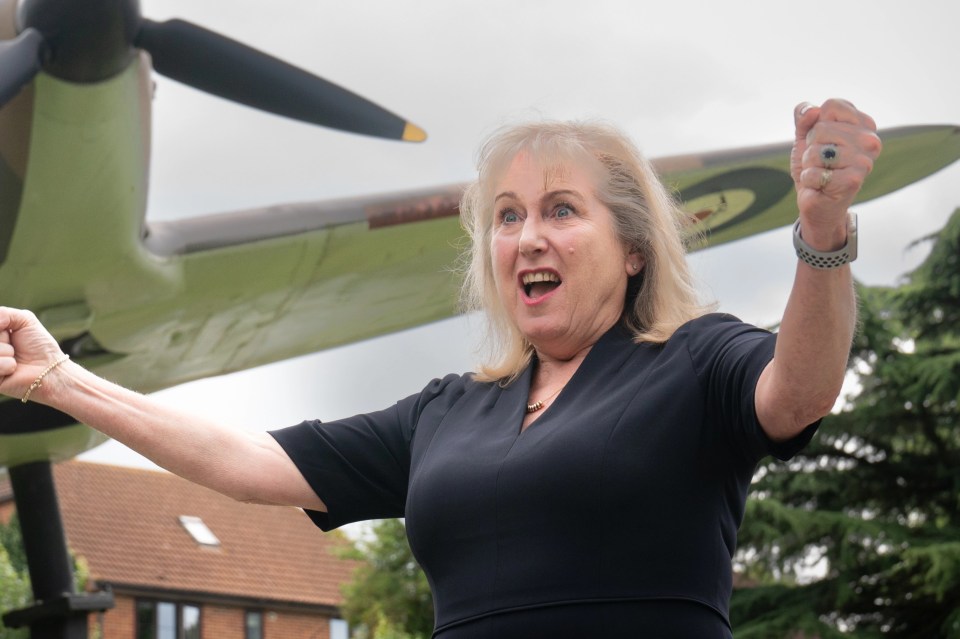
point(634, 263)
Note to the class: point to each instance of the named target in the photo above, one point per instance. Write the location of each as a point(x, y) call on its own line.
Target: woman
point(590, 478)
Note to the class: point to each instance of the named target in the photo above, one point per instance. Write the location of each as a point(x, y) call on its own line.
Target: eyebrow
point(547, 196)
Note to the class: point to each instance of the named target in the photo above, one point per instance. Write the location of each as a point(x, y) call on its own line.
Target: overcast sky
point(679, 76)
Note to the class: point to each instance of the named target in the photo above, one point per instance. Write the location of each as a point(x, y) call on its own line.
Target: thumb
point(805, 115)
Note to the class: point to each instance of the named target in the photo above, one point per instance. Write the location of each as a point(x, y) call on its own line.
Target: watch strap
point(828, 259)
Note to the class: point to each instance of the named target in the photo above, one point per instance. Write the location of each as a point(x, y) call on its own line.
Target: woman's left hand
point(833, 153)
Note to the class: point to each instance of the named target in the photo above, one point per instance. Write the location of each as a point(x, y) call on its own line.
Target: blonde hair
point(647, 220)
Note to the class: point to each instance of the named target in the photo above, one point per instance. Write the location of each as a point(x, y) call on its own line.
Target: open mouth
point(539, 284)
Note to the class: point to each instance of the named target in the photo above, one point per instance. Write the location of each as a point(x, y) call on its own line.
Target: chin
point(541, 334)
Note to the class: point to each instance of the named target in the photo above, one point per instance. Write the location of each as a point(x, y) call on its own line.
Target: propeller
point(90, 40)
point(213, 63)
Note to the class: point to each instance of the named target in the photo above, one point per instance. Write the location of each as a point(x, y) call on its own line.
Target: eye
point(563, 211)
point(509, 216)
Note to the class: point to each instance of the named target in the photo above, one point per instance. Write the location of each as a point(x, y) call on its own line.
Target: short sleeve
point(359, 466)
point(729, 357)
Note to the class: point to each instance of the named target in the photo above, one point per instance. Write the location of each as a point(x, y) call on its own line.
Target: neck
point(550, 376)
point(571, 346)
point(551, 373)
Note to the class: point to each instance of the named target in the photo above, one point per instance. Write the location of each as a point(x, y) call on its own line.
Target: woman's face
point(560, 269)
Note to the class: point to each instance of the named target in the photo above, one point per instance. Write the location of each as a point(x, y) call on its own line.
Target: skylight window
point(199, 531)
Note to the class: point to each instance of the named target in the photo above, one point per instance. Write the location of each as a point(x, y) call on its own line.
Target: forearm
point(248, 466)
point(805, 377)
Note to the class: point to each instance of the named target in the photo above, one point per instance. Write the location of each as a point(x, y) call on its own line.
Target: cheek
point(501, 256)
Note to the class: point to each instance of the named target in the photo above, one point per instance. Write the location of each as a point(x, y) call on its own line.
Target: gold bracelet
point(39, 380)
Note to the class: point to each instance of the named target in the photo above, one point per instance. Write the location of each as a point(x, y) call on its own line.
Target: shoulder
point(440, 393)
point(715, 329)
point(451, 385)
point(715, 323)
point(718, 338)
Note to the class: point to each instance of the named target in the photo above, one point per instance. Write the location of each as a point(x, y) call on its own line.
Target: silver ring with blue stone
point(829, 154)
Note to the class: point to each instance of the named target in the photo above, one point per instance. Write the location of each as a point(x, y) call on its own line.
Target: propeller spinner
point(91, 40)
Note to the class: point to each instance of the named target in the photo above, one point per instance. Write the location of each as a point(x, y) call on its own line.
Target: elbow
point(253, 493)
point(798, 417)
point(802, 419)
point(822, 404)
point(785, 411)
point(239, 493)
point(254, 501)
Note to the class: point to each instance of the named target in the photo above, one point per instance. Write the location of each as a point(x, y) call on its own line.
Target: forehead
point(528, 169)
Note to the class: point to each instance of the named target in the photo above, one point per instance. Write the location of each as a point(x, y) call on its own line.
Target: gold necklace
point(534, 407)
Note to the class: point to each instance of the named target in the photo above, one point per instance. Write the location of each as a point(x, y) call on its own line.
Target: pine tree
point(874, 501)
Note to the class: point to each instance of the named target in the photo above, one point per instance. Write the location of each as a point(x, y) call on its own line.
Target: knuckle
point(865, 164)
point(854, 180)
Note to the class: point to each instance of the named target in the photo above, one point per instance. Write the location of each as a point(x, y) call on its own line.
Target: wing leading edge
point(176, 301)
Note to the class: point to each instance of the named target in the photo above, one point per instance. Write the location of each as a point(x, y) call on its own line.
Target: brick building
point(187, 563)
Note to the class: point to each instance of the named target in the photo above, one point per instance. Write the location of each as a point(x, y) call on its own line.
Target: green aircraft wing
point(739, 193)
point(155, 305)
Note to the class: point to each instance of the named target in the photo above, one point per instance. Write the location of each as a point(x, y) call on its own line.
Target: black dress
point(613, 515)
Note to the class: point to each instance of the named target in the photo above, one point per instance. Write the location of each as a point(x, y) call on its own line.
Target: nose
point(532, 241)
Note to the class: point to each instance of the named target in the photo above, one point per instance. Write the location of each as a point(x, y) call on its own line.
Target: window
point(167, 620)
point(339, 629)
point(199, 531)
point(190, 622)
point(254, 625)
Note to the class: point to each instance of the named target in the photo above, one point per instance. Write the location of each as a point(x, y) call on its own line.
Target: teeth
point(531, 278)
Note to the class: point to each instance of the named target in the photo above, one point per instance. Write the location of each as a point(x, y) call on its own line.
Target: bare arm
point(802, 382)
point(244, 465)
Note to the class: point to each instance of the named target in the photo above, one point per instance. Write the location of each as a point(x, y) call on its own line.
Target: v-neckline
point(540, 413)
point(603, 348)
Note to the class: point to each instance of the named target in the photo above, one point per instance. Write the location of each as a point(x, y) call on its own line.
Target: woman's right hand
point(26, 350)
point(246, 465)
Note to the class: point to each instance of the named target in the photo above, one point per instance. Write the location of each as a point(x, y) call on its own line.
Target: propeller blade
point(216, 64)
point(19, 63)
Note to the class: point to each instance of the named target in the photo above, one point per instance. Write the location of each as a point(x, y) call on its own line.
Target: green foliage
point(14, 584)
point(389, 597)
point(386, 629)
point(10, 539)
point(15, 591)
point(875, 499)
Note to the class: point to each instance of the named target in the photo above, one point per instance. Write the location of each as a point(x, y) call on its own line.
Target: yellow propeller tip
point(413, 133)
